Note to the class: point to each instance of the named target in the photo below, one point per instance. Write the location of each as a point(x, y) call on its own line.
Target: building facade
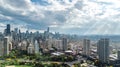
point(86, 47)
point(64, 43)
point(103, 50)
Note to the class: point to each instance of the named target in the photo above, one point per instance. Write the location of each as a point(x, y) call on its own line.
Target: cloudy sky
point(66, 16)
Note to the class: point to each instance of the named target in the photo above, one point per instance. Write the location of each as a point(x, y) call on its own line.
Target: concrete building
point(64, 43)
point(57, 44)
point(54, 43)
point(24, 45)
point(1, 48)
point(86, 47)
point(103, 50)
point(118, 54)
point(30, 49)
point(36, 47)
point(7, 45)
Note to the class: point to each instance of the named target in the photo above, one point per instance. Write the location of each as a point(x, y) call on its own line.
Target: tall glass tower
point(8, 29)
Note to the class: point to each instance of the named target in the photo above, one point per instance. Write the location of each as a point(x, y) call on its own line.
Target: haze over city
point(59, 33)
point(82, 17)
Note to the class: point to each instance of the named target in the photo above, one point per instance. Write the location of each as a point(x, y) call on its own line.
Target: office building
point(36, 47)
point(30, 49)
point(1, 48)
point(86, 47)
point(118, 54)
point(64, 44)
point(7, 46)
point(103, 50)
point(8, 32)
point(24, 45)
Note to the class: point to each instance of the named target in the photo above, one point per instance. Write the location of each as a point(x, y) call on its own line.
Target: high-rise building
point(30, 49)
point(1, 48)
point(64, 43)
point(48, 29)
point(36, 47)
point(58, 44)
point(103, 50)
point(16, 30)
point(86, 47)
point(8, 32)
point(24, 45)
point(47, 33)
point(118, 54)
point(6, 45)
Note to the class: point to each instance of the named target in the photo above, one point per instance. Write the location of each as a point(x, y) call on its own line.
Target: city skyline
point(69, 49)
point(82, 17)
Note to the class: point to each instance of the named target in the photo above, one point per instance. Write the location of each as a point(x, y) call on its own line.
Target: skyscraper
point(36, 47)
point(64, 43)
point(16, 30)
point(48, 29)
point(118, 54)
point(86, 47)
point(8, 29)
point(6, 45)
point(1, 48)
point(48, 33)
point(103, 50)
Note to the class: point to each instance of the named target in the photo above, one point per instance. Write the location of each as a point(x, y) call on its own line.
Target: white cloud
point(89, 16)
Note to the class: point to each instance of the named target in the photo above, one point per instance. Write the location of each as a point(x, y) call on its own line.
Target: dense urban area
point(35, 49)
